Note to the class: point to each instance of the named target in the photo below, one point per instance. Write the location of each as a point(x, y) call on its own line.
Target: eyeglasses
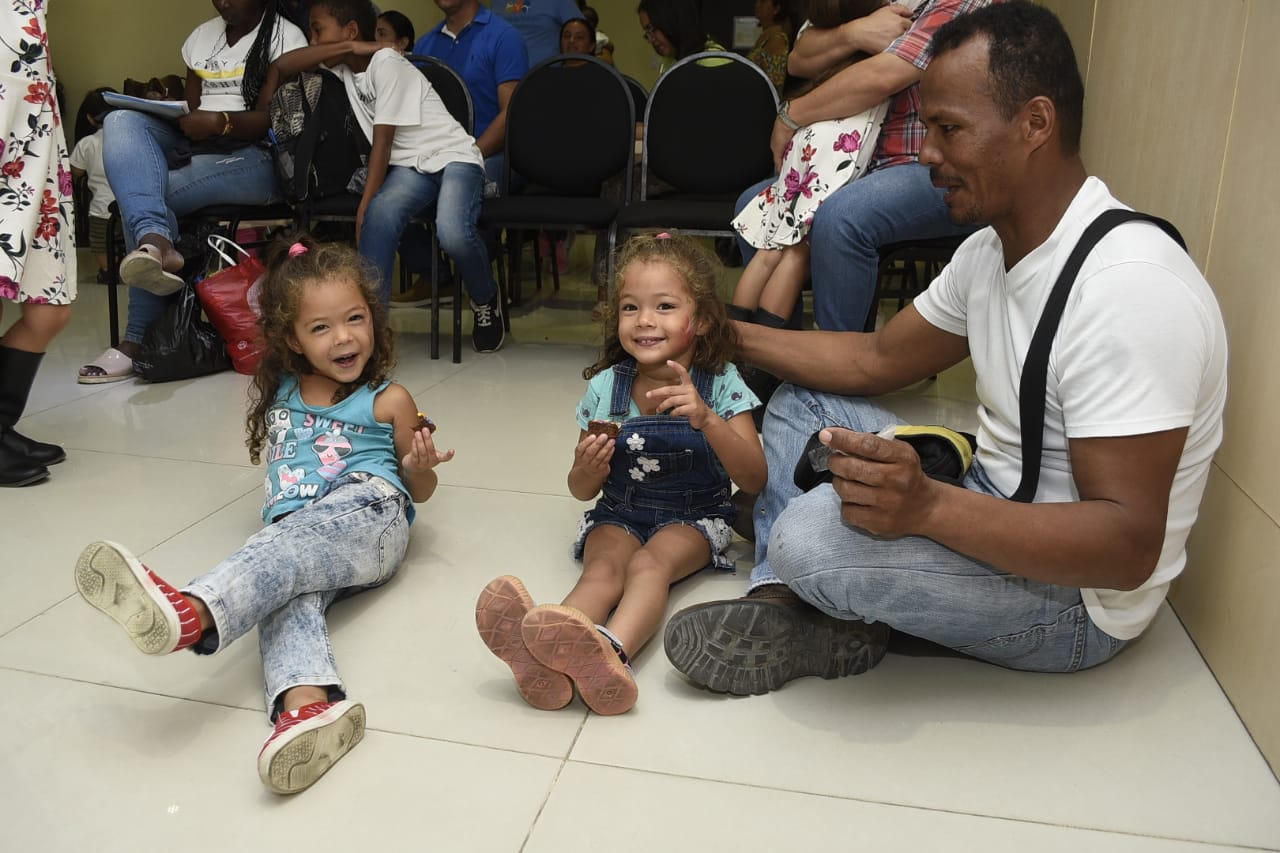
point(649, 32)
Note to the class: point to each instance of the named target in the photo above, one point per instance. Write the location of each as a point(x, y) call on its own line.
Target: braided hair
point(259, 57)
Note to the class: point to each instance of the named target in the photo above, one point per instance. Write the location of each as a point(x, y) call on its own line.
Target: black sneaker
point(486, 329)
point(751, 645)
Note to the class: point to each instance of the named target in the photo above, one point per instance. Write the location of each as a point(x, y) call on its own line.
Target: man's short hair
point(1029, 54)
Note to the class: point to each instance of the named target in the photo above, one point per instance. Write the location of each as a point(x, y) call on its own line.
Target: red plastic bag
point(230, 299)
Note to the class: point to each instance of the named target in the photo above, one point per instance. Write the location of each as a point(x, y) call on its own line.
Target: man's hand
point(881, 486)
point(882, 27)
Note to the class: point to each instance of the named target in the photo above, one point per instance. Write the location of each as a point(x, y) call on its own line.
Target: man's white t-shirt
point(1141, 349)
point(221, 67)
point(391, 91)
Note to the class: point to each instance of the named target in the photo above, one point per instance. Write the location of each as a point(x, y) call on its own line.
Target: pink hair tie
point(297, 249)
point(662, 236)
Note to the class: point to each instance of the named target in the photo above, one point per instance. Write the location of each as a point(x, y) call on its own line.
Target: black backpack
point(319, 147)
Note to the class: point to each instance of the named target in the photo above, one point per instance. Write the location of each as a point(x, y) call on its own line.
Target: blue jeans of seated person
point(456, 190)
point(886, 206)
point(152, 197)
point(912, 584)
point(286, 575)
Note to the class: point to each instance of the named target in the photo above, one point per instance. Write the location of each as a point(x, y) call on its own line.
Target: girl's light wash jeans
point(912, 584)
point(152, 197)
point(287, 574)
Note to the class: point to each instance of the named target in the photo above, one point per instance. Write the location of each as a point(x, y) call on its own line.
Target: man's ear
point(1039, 120)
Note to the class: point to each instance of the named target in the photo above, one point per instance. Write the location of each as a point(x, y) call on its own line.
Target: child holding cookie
point(684, 431)
point(348, 454)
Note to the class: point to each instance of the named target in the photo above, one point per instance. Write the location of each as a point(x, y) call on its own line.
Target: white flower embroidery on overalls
point(647, 466)
point(635, 442)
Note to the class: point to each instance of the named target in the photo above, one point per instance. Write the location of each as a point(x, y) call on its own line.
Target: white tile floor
point(108, 750)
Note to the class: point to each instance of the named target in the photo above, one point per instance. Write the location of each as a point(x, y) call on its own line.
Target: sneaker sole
point(311, 749)
point(747, 648)
point(146, 272)
point(564, 639)
point(499, 611)
point(113, 581)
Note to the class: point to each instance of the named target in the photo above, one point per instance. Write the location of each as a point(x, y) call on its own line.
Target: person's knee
point(801, 538)
point(604, 573)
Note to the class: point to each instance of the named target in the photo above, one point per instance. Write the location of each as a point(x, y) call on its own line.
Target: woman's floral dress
point(37, 236)
point(820, 159)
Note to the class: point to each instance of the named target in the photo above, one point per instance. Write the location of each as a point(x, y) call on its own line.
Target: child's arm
point(414, 446)
point(734, 441)
point(291, 64)
point(590, 465)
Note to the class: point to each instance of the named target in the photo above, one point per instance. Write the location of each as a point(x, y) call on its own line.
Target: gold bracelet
point(226, 124)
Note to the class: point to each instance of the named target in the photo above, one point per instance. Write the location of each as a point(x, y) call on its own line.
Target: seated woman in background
point(774, 43)
point(578, 36)
point(394, 29)
point(674, 30)
point(161, 170)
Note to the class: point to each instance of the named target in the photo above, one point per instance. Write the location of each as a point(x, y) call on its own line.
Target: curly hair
point(288, 276)
point(698, 268)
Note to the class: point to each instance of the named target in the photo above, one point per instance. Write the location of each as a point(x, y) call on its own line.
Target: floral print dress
point(37, 237)
point(820, 159)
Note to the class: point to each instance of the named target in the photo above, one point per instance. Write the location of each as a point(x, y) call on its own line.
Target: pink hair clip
point(663, 235)
point(297, 249)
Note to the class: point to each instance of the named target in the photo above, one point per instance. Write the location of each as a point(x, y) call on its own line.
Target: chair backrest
point(639, 95)
point(707, 126)
point(451, 88)
point(570, 126)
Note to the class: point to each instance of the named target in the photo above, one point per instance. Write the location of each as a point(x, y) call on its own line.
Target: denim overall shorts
point(663, 472)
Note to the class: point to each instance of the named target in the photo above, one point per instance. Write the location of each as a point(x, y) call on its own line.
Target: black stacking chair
point(706, 135)
point(569, 128)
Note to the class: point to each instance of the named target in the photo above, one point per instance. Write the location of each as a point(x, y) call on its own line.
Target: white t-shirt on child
point(87, 156)
point(221, 67)
point(391, 91)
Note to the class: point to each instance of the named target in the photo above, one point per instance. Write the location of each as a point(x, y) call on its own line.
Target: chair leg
point(114, 224)
point(514, 257)
point(435, 296)
point(457, 318)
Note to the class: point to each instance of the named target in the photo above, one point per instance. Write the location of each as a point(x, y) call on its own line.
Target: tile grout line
point(555, 780)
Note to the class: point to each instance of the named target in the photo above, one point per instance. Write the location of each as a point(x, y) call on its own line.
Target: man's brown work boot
point(751, 645)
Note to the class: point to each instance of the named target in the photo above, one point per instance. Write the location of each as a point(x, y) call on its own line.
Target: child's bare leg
point(604, 559)
point(755, 276)
point(298, 697)
point(673, 553)
point(789, 275)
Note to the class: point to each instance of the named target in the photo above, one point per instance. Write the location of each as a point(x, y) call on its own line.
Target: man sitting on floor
point(1135, 389)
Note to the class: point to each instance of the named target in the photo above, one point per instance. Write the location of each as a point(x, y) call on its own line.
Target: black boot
point(22, 461)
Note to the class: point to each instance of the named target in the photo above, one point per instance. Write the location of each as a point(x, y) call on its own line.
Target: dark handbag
point(180, 344)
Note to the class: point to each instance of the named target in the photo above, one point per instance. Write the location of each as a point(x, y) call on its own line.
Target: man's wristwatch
point(784, 116)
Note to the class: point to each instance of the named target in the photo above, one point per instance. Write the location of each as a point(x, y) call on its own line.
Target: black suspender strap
point(1035, 369)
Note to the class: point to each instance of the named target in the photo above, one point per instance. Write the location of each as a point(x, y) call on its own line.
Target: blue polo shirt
point(486, 53)
point(539, 23)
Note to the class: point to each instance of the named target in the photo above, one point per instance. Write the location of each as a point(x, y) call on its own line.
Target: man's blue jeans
point(912, 584)
point(456, 191)
point(886, 206)
point(152, 197)
point(286, 575)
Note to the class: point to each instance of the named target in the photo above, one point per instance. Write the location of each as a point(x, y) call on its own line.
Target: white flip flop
point(143, 268)
point(114, 365)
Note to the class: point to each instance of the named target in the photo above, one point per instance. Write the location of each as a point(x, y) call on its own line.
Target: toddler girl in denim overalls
point(679, 429)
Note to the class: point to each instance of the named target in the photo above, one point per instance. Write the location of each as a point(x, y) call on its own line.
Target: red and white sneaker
point(156, 616)
point(307, 742)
